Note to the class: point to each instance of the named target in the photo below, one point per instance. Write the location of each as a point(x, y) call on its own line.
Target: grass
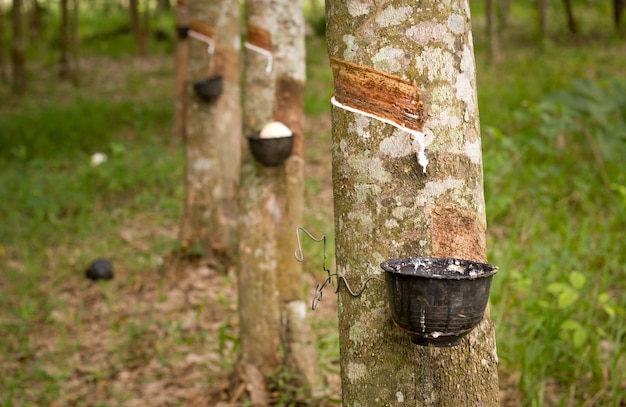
point(553, 120)
point(555, 210)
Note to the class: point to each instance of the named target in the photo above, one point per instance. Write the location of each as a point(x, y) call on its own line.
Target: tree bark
point(618, 9)
point(543, 9)
point(213, 132)
point(75, 43)
point(182, 56)
point(493, 33)
point(140, 25)
point(504, 7)
point(35, 21)
point(4, 77)
point(387, 205)
point(569, 14)
point(68, 59)
point(271, 303)
point(64, 64)
point(163, 5)
point(18, 48)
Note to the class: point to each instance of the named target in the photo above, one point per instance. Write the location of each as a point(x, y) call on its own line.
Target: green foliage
point(557, 301)
point(317, 92)
point(62, 130)
point(288, 389)
point(49, 181)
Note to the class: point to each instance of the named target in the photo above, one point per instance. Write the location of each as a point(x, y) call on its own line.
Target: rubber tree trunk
point(411, 64)
point(140, 25)
point(618, 9)
point(163, 5)
point(504, 8)
point(18, 48)
point(543, 10)
point(271, 304)
point(35, 21)
point(182, 57)
point(569, 14)
point(4, 77)
point(493, 32)
point(68, 59)
point(213, 131)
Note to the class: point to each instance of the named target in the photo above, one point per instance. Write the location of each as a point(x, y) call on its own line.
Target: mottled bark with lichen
point(213, 133)
point(386, 206)
point(272, 310)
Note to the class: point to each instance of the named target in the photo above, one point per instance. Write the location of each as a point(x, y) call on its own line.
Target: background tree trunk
point(4, 77)
point(68, 59)
point(140, 25)
point(64, 59)
point(18, 48)
point(493, 31)
point(543, 9)
point(75, 43)
point(504, 8)
point(182, 57)
point(387, 207)
point(213, 132)
point(35, 21)
point(270, 279)
point(163, 5)
point(569, 14)
point(618, 9)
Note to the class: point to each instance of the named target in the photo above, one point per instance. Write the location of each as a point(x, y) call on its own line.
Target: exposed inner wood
point(378, 93)
point(259, 36)
point(225, 60)
point(458, 233)
point(203, 28)
point(288, 108)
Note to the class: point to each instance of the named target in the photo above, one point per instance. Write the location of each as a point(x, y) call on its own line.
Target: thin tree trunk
point(271, 305)
point(182, 56)
point(618, 9)
point(543, 9)
point(69, 43)
point(213, 133)
point(35, 26)
point(569, 13)
point(133, 9)
point(413, 66)
point(145, 28)
point(18, 48)
point(163, 5)
point(504, 7)
point(493, 33)
point(64, 58)
point(139, 24)
point(4, 77)
point(75, 44)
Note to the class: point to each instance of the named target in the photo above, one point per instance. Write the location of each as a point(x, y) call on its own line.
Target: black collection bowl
point(437, 301)
point(209, 89)
point(270, 151)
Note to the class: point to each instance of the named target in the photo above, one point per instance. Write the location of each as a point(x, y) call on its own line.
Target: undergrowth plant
point(558, 303)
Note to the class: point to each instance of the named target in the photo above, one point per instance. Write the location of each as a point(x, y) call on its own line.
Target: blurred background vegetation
point(553, 118)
